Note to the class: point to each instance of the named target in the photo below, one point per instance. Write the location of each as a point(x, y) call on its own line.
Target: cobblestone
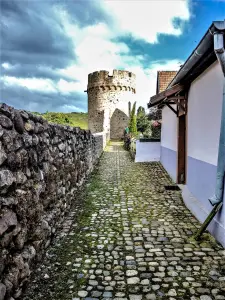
point(130, 239)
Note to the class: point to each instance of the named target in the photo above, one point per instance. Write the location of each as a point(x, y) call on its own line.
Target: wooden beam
point(168, 92)
point(181, 103)
point(160, 105)
point(169, 102)
point(173, 110)
point(175, 98)
point(182, 108)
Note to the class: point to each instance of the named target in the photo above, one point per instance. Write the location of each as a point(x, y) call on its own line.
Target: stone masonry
point(108, 98)
point(129, 239)
point(42, 166)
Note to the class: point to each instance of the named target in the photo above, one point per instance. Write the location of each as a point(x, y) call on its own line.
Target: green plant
point(143, 123)
point(147, 133)
point(133, 121)
point(156, 129)
point(140, 111)
point(71, 119)
point(129, 108)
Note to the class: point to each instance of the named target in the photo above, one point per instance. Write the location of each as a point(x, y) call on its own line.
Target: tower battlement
point(119, 78)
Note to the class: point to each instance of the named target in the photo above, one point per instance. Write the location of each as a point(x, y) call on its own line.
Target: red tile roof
point(163, 80)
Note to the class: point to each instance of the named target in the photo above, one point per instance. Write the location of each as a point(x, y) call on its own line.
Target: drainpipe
point(220, 53)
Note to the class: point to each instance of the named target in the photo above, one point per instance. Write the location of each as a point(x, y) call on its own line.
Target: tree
point(143, 123)
point(156, 129)
point(155, 114)
point(133, 120)
point(141, 110)
point(129, 108)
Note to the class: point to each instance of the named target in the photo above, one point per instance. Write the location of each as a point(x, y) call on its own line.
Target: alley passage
point(129, 238)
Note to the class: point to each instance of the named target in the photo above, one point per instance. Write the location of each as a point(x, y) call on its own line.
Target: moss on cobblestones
point(128, 238)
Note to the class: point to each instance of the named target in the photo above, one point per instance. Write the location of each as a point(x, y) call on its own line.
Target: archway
point(118, 122)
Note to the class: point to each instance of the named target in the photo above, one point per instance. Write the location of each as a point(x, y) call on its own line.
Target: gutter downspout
point(205, 45)
point(220, 53)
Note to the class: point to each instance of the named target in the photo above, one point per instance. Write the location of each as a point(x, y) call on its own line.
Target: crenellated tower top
point(120, 79)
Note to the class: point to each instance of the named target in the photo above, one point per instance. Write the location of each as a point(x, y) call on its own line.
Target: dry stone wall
point(42, 166)
point(101, 139)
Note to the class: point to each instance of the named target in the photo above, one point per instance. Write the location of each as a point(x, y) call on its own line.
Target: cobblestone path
point(129, 239)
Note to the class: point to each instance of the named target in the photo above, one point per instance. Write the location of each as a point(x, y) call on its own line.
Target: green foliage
point(70, 119)
point(141, 110)
point(155, 114)
point(133, 111)
point(129, 108)
point(147, 133)
point(134, 125)
point(156, 129)
point(143, 123)
point(133, 121)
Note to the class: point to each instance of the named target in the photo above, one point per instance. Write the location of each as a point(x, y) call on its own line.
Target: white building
point(192, 127)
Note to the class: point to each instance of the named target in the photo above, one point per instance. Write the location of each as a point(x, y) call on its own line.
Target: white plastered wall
point(204, 115)
point(204, 118)
point(169, 129)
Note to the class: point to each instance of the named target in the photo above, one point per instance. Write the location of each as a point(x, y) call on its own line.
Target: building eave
point(199, 60)
point(158, 98)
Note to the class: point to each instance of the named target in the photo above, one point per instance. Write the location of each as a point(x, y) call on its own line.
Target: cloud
point(147, 19)
point(21, 70)
point(50, 47)
point(146, 78)
point(40, 100)
point(31, 34)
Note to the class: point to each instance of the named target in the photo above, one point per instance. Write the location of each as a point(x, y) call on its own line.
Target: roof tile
point(163, 80)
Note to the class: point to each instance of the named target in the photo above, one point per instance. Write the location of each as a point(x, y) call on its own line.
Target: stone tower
point(108, 98)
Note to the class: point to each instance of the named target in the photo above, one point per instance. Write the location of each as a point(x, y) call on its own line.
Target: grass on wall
point(71, 119)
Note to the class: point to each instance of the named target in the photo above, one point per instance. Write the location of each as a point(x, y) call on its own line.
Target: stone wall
point(42, 166)
point(101, 139)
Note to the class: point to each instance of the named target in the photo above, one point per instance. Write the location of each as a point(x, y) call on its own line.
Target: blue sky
point(49, 47)
point(203, 13)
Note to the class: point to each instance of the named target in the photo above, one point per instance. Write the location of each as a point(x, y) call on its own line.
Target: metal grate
point(172, 188)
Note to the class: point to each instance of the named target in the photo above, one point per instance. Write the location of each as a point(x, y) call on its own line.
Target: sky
point(49, 47)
